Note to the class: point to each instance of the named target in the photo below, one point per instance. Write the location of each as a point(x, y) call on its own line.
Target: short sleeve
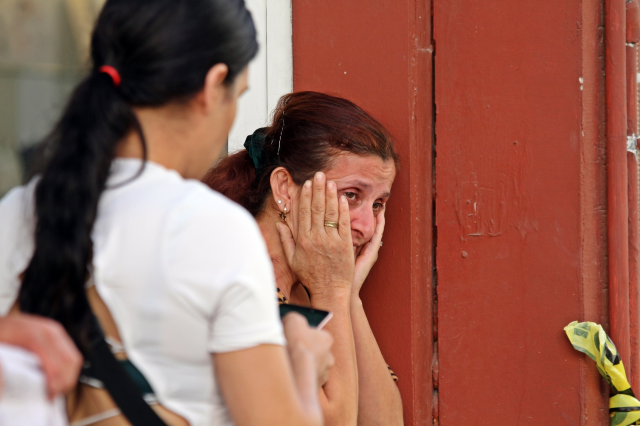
point(217, 260)
point(244, 318)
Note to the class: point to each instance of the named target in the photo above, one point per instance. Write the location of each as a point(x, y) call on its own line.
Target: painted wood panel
point(519, 209)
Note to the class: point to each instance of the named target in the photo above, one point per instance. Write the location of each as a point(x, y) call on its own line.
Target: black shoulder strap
point(103, 366)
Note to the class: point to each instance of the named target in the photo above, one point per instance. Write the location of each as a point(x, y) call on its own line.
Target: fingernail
point(319, 176)
point(307, 184)
point(331, 185)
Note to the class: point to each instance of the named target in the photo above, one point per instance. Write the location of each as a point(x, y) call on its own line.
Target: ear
point(282, 185)
point(214, 91)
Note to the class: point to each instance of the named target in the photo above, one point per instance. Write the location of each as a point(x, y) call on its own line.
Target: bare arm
point(269, 385)
point(379, 402)
point(340, 394)
point(259, 387)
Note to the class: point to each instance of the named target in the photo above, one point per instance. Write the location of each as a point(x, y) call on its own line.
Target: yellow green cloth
point(590, 338)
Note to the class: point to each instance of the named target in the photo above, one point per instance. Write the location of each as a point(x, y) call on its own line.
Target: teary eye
point(350, 195)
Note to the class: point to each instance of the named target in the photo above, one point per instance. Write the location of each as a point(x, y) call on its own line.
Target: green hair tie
point(254, 145)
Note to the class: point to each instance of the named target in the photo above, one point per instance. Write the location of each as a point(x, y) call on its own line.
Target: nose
point(363, 224)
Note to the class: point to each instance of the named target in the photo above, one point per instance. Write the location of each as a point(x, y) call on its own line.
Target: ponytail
point(235, 177)
point(66, 200)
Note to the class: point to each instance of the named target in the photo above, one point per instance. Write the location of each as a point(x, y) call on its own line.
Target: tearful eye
point(378, 207)
point(350, 195)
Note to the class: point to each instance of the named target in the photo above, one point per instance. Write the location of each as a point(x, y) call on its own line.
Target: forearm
point(306, 381)
point(263, 386)
point(339, 398)
point(379, 402)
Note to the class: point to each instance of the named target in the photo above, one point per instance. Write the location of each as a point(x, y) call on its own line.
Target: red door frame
point(378, 54)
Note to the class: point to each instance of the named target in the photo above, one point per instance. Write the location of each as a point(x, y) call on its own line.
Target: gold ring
point(329, 224)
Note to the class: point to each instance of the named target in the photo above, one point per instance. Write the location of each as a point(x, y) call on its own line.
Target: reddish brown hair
point(317, 127)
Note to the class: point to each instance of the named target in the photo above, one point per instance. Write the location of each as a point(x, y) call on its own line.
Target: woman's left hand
point(322, 256)
point(368, 255)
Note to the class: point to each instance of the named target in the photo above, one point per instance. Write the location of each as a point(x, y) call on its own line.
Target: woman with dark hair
point(163, 285)
point(334, 143)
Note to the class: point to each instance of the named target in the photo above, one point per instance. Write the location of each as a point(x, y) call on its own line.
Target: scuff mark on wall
point(501, 200)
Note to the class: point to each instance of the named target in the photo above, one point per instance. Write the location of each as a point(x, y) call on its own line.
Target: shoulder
point(208, 232)
point(183, 208)
point(211, 212)
point(213, 249)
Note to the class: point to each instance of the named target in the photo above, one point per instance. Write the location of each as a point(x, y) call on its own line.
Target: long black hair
point(162, 50)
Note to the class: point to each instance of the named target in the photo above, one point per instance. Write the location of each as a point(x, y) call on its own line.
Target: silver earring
point(285, 209)
point(279, 201)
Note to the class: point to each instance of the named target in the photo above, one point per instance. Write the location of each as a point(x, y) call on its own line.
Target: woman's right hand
point(303, 340)
point(322, 257)
point(60, 359)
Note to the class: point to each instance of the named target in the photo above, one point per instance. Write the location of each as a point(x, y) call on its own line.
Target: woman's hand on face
point(302, 340)
point(368, 255)
point(322, 258)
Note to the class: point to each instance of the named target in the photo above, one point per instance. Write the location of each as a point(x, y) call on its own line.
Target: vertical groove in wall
point(435, 369)
point(593, 200)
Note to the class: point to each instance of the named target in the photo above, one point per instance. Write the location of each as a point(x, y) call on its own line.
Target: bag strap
point(103, 366)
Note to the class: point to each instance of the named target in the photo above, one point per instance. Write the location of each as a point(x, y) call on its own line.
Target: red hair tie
point(113, 73)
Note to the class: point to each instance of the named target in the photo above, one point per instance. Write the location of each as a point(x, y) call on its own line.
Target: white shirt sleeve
point(219, 262)
point(16, 242)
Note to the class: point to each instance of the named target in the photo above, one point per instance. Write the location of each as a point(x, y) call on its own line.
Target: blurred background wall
point(43, 53)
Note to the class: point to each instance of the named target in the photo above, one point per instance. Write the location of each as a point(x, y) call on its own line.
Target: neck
point(285, 279)
point(168, 136)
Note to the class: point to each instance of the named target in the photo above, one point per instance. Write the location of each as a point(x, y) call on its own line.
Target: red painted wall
point(520, 189)
point(377, 53)
point(519, 175)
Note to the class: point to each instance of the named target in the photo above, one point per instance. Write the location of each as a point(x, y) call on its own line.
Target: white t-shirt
point(183, 270)
point(23, 394)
